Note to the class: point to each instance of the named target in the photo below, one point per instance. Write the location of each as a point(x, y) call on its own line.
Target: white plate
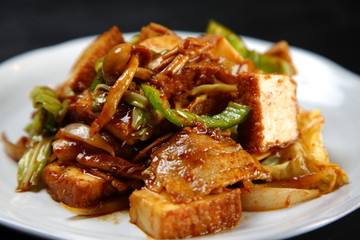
point(321, 84)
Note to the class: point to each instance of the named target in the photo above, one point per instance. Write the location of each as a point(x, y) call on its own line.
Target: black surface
point(329, 28)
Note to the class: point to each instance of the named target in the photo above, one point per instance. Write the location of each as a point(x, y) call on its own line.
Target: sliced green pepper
point(233, 114)
point(235, 40)
point(269, 64)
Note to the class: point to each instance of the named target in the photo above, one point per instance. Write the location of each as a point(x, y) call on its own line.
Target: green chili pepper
point(269, 64)
point(135, 99)
point(235, 40)
point(233, 115)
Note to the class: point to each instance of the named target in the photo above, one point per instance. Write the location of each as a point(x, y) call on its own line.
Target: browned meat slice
point(194, 163)
point(114, 165)
point(82, 110)
point(176, 76)
point(74, 186)
point(83, 71)
point(120, 124)
point(272, 121)
point(158, 216)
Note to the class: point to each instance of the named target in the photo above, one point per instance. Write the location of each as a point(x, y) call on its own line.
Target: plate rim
point(82, 41)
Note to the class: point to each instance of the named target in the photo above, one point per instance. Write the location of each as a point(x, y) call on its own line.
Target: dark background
point(329, 28)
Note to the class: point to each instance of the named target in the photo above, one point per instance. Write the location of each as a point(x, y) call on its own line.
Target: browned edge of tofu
point(273, 118)
point(83, 72)
point(157, 216)
point(74, 187)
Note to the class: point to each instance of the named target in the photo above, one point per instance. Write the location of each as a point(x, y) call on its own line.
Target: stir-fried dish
point(186, 132)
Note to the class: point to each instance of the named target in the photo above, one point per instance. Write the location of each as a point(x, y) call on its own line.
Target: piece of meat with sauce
point(196, 161)
point(113, 165)
point(272, 120)
point(82, 110)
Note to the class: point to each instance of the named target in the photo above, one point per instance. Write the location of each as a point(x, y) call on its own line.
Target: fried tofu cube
point(272, 121)
point(156, 215)
point(83, 72)
point(74, 187)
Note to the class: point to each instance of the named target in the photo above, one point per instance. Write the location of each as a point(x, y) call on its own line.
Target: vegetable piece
point(46, 121)
point(269, 64)
point(235, 40)
point(45, 97)
point(15, 150)
point(99, 77)
point(307, 160)
point(115, 95)
point(99, 64)
point(259, 198)
point(233, 115)
point(115, 62)
point(50, 112)
point(135, 99)
point(81, 132)
point(216, 87)
point(140, 118)
point(33, 162)
point(99, 97)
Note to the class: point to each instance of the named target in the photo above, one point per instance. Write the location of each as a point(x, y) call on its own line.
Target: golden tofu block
point(157, 216)
point(273, 118)
point(83, 72)
point(75, 187)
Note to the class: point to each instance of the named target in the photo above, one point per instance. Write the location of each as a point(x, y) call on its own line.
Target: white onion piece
point(259, 198)
point(81, 132)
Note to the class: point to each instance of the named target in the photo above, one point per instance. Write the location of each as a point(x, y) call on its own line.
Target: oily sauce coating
point(196, 162)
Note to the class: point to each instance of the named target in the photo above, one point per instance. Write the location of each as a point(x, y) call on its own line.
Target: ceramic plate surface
point(322, 84)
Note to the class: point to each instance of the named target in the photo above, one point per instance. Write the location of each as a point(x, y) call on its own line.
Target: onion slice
point(81, 132)
point(259, 198)
point(15, 150)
